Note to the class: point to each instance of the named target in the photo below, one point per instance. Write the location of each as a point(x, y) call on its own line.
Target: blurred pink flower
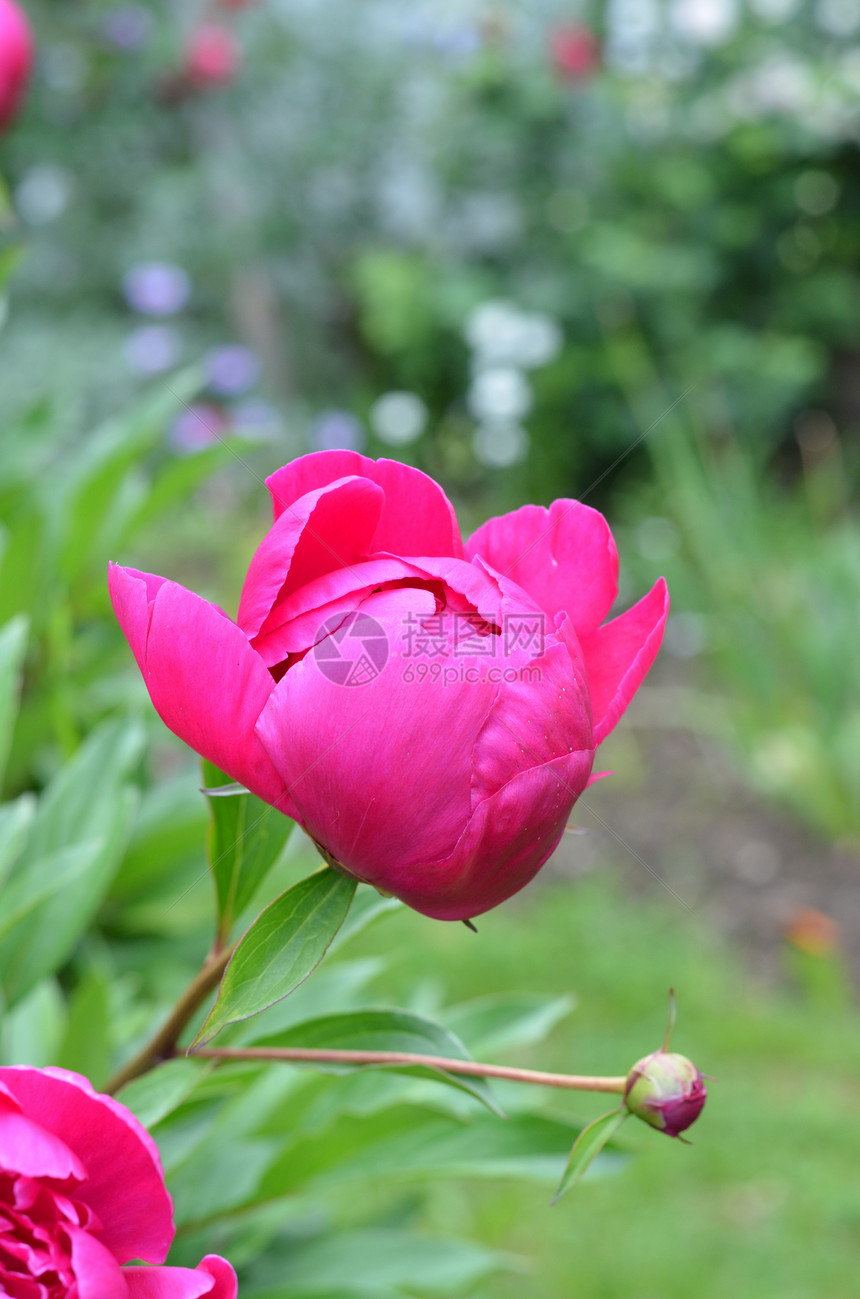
point(16, 59)
point(81, 1194)
point(429, 715)
point(212, 56)
point(574, 52)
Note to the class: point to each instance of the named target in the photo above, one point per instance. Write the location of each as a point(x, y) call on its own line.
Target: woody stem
point(469, 1068)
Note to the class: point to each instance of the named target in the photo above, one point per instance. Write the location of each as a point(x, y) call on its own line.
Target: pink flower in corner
point(81, 1195)
point(16, 59)
point(428, 714)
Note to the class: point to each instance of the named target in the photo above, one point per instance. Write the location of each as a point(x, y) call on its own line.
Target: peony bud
point(212, 57)
point(16, 59)
point(667, 1091)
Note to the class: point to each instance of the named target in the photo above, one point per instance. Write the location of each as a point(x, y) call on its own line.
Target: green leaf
point(381, 1261)
point(587, 1146)
point(15, 821)
point(368, 906)
point(500, 1022)
point(161, 1091)
point(281, 948)
point(85, 1048)
point(82, 823)
point(408, 1143)
point(13, 646)
point(31, 1032)
point(99, 494)
point(52, 874)
point(387, 1030)
point(246, 838)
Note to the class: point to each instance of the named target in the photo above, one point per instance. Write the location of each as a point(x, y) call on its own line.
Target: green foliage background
point(686, 214)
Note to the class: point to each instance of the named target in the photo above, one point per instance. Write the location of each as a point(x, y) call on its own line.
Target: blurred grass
point(767, 1200)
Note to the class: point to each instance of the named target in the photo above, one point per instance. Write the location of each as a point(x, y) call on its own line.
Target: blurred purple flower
point(197, 427)
point(156, 288)
point(256, 419)
point(128, 27)
point(152, 349)
point(231, 369)
point(337, 430)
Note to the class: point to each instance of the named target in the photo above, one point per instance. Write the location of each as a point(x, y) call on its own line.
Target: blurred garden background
point(603, 250)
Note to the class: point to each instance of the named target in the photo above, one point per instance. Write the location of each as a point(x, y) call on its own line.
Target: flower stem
point(162, 1045)
point(471, 1068)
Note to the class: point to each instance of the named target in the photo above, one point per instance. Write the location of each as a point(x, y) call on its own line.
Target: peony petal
point(517, 829)
point(125, 1184)
point(467, 587)
point(564, 557)
point(132, 603)
point(379, 771)
point(223, 1275)
point(30, 1150)
point(97, 1272)
point(325, 530)
point(619, 655)
point(207, 684)
point(213, 1277)
point(417, 517)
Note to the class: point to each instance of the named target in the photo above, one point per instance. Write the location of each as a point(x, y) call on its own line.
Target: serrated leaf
point(281, 948)
point(587, 1146)
point(246, 838)
point(388, 1030)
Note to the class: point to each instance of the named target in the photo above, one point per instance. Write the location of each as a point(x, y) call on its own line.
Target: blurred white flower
point(540, 340)
point(498, 445)
point(838, 17)
point(774, 11)
point(632, 29)
point(500, 393)
point(704, 22)
point(43, 194)
point(781, 84)
point(492, 330)
point(398, 418)
point(500, 334)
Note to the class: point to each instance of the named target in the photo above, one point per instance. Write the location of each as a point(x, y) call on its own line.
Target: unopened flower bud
point(667, 1091)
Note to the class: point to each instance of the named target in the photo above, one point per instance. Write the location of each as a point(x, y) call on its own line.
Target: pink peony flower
point(429, 715)
point(81, 1194)
point(16, 58)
